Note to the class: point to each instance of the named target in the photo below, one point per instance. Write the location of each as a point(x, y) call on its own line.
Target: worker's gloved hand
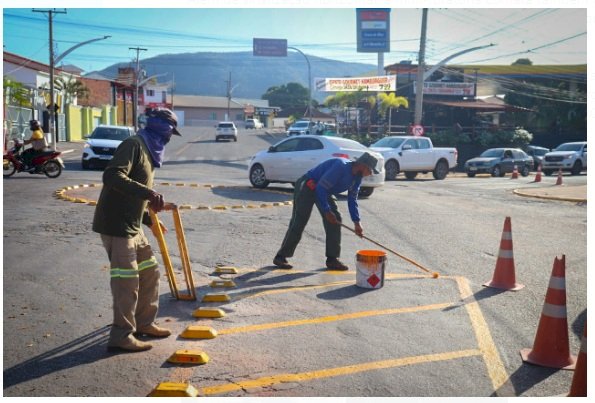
point(156, 202)
point(359, 231)
point(331, 217)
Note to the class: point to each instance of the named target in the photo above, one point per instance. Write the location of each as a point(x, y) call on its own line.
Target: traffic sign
point(269, 47)
point(417, 130)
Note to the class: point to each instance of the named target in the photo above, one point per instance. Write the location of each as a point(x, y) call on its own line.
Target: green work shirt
point(127, 182)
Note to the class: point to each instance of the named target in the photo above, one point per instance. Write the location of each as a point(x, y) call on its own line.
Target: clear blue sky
point(553, 35)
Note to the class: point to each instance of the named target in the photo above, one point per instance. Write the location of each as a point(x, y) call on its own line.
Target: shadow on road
point(84, 350)
point(349, 291)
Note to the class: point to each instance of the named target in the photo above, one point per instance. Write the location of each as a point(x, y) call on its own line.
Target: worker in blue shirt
point(319, 186)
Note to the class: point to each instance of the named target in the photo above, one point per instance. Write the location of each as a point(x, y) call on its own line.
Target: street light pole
point(419, 84)
point(309, 82)
point(136, 85)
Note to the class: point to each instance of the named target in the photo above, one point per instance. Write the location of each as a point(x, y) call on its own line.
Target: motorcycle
point(48, 162)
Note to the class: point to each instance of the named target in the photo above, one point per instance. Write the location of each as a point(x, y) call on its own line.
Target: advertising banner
point(454, 89)
point(378, 83)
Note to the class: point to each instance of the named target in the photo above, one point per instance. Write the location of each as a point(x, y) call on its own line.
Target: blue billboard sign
point(373, 30)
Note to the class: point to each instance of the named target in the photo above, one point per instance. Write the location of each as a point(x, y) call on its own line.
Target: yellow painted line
point(488, 349)
point(182, 149)
point(337, 371)
point(333, 318)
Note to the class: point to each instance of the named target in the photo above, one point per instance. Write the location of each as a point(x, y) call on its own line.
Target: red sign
point(417, 130)
point(372, 15)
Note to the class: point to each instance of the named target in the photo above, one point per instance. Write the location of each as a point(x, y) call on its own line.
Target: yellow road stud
point(251, 206)
point(219, 207)
point(203, 208)
point(180, 184)
point(185, 207)
point(194, 185)
point(174, 389)
point(236, 206)
point(203, 312)
point(216, 298)
point(222, 284)
point(194, 357)
point(199, 332)
point(226, 270)
point(263, 205)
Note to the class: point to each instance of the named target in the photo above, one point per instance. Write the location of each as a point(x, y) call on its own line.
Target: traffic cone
point(579, 380)
point(515, 173)
point(538, 175)
point(559, 180)
point(551, 347)
point(504, 277)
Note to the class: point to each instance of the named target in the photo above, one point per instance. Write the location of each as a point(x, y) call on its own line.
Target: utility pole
point(419, 84)
point(135, 105)
point(228, 95)
point(52, 107)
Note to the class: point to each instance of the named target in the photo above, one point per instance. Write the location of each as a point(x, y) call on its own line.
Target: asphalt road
point(301, 332)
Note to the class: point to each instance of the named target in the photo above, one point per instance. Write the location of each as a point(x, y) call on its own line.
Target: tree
point(291, 95)
point(390, 101)
point(17, 93)
point(523, 61)
point(72, 89)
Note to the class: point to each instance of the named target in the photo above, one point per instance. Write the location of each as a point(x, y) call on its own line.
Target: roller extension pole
point(413, 262)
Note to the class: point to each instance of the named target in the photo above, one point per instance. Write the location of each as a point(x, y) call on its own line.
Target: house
point(282, 118)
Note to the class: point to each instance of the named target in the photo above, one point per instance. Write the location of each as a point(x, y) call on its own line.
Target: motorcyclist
point(38, 144)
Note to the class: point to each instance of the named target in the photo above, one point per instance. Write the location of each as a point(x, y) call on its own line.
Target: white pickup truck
point(413, 154)
point(567, 157)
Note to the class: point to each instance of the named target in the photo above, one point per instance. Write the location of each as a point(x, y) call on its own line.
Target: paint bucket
point(370, 265)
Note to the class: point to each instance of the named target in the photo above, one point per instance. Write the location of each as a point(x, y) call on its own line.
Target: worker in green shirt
point(122, 207)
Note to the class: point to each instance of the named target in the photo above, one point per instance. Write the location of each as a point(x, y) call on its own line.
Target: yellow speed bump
point(226, 270)
point(222, 284)
point(199, 332)
point(194, 357)
point(174, 389)
point(216, 298)
point(203, 312)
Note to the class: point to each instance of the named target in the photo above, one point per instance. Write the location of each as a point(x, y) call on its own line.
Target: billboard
point(378, 83)
point(445, 88)
point(373, 30)
point(269, 47)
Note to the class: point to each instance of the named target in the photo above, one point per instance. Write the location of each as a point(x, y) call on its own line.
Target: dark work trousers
point(303, 200)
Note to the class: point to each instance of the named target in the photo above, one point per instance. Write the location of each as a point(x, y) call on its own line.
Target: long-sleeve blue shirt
point(332, 177)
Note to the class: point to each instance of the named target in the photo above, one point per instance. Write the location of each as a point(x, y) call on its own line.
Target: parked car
point(253, 124)
point(499, 161)
point(227, 131)
point(102, 143)
point(412, 154)
point(537, 154)
point(288, 160)
point(567, 157)
point(301, 127)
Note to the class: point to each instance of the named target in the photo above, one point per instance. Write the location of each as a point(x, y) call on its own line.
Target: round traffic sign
point(417, 130)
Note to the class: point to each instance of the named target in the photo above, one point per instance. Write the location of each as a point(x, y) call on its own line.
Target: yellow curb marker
point(203, 312)
point(199, 332)
point(216, 298)
point(174, 389)
point(194, 357)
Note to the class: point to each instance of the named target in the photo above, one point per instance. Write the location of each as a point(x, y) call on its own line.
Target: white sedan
point(288, 160)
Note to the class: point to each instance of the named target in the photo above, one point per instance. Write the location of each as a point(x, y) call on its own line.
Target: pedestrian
point(319, 186)
point(319, 128)
point(122, 207)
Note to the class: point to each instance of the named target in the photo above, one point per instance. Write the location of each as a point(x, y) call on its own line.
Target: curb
point(558, 198)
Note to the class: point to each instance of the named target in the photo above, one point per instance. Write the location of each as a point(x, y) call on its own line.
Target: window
point(309, 144)
point(150, 93)
point(412, 143)
point(287, 146)
point(424, 144)
point(213, 115)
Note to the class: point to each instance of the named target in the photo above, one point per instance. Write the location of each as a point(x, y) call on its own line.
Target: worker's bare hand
point(331, 217)
point(359, 231)
point(156, 202)
point(155, 228)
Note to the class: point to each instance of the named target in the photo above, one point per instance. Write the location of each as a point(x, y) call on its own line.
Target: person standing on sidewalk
point(122, 207)
point(319, 186)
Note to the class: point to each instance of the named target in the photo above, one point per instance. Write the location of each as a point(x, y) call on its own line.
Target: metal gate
point(17, 122)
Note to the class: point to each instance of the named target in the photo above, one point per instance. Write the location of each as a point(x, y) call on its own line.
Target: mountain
point(206, 73)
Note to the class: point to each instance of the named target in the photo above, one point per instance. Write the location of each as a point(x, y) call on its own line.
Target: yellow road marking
point(332, 318)
point(337, 371)
point(488, 349)
point(183, 148)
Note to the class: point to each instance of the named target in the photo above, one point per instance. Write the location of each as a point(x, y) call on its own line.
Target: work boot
point(131, 344)
point(153, 331)
point(332, 263)
point(281, 262)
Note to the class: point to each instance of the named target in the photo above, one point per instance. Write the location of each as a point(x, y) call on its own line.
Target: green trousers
point(304, 200)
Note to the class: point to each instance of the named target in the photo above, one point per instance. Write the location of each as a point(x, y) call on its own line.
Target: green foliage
point(18, 94)
point(518, 137)
point(390, 101)
point(291, 95)
point(72, 88)
point(446, 138)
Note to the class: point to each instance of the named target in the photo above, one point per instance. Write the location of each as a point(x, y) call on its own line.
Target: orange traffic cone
point(551, 347)
point(504, 277)
point(515, 173)
point(559, 180)
point(579, 380)
point(538, 175)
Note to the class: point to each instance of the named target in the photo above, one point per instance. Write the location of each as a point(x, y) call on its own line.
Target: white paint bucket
point(370, 265)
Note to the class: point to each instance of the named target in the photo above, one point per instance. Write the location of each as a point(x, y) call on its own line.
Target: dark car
point(537, 154)
point(499, 161)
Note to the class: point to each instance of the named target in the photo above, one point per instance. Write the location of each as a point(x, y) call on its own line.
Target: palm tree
point(390, 101)
point(72, 88)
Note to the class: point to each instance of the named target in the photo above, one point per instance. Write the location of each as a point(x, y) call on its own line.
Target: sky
point(551, 35)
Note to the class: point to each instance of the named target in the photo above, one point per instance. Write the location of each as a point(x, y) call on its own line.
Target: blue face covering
point(156, 134)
